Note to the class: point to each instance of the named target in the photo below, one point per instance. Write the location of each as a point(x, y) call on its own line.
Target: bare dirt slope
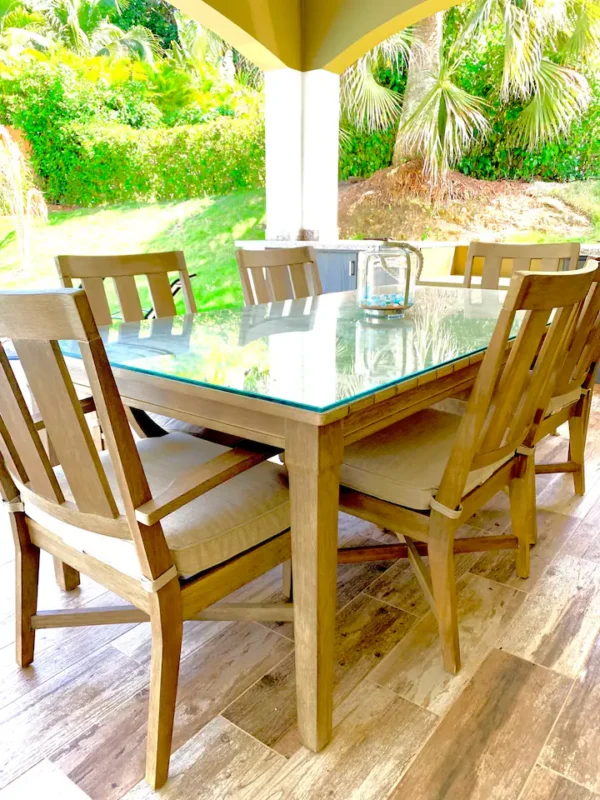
point(397, 203)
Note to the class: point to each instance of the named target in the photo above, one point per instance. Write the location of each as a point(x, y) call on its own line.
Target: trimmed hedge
point(115, 163)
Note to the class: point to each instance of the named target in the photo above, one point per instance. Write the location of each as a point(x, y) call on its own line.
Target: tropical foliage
point(527, 61)
point(496, 88)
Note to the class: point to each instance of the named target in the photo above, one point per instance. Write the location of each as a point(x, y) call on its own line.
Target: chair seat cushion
point(226, 521)
point(404, 463)
point(171, 425)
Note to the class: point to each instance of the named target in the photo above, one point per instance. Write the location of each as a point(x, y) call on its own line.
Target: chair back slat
point(96, 293)
point(524, 257)
point(162, 297)
point(129, 299)
point(513, 382)
point(22, 446)
point(299, 280)
point(511, 393)
point(60, 409)
point(583, 353)
point(279, 283)
point(286, 273)
point(95, 271)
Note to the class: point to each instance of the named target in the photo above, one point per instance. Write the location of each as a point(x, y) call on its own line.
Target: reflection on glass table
point(315, 353)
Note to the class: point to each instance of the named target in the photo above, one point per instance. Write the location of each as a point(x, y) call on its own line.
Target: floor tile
point(546, 785)
point(43, 780)
point(220, 761)
point(574, 746)
point(414, 667)
point(553, 532)
point(64, 706)
point(376, 735)
point(558, 623)
point(108, 760)
point(366, 630)
point(488, 743)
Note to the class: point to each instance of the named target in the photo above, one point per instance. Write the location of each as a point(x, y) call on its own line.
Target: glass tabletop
point(317, 353)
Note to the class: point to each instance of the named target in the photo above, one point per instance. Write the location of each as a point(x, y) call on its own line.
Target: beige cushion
point(232, 518)
point(404, 463)
point(171, 425)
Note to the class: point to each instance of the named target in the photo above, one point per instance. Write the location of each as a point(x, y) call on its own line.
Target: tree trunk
point(423, 69)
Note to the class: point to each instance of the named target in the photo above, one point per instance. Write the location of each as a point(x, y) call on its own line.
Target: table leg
point(313, 456)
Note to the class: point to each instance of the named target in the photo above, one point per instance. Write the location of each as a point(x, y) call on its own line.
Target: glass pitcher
point(387, 280)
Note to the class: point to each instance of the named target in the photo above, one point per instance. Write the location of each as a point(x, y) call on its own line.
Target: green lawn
point(205, 229)
point(584, 196)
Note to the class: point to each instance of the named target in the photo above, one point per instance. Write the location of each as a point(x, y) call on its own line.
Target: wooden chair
point(282, 274)
point(572, 394)
point(552, 257)
point(94, 273)
point(426, 475)
point(171, 524)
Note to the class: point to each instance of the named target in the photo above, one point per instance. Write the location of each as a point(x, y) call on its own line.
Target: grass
point(581, 196)
point(204, 228)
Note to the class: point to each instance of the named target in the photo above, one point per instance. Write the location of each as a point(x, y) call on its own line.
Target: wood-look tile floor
point(520, 722)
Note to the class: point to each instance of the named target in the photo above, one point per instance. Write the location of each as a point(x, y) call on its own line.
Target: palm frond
point(561, 94)
point(138, 42)
point(522, 53)
point(367, 104)
point(444, 125)
point(582, 37)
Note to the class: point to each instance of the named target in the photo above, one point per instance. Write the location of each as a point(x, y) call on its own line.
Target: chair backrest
point(94, 271)
point(285, 273)
point(36, 322)
point(551, 258)
point(578, 367)
point(511, 393)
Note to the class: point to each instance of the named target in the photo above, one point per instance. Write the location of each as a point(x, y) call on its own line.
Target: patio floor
point(521, 720)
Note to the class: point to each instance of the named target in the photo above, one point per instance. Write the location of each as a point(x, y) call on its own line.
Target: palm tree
point(198, 46)
point(21, 29)
point(542, 43)
point(84, 27)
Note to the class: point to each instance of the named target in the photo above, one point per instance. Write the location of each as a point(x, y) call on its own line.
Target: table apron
point(262, 421)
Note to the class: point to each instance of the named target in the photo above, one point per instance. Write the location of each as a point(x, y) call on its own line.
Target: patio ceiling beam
point(268, 32)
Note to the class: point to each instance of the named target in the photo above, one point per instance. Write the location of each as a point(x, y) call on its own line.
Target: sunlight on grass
point(204, 228)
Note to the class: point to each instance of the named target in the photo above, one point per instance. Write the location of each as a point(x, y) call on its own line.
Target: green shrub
point(115, 163)
point(362, 153)
point(573, 157)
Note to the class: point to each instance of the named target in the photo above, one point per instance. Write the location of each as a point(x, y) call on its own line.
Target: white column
point(302, 134)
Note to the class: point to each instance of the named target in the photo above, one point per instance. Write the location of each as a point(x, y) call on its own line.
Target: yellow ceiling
point(308, 34)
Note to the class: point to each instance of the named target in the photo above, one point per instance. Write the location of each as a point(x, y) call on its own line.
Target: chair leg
point(67, 577)
point(166, 621)
point(440, 545)
point(287, 581)
point(523, 512)
point(577, 437)
point(27, 572)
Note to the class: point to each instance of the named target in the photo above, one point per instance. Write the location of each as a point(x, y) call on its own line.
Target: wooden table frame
point(314, 444)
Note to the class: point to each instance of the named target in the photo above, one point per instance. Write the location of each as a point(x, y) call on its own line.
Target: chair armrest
point(200, 480)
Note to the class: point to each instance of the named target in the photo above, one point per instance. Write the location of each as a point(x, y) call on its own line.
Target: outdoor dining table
point(309, 376)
